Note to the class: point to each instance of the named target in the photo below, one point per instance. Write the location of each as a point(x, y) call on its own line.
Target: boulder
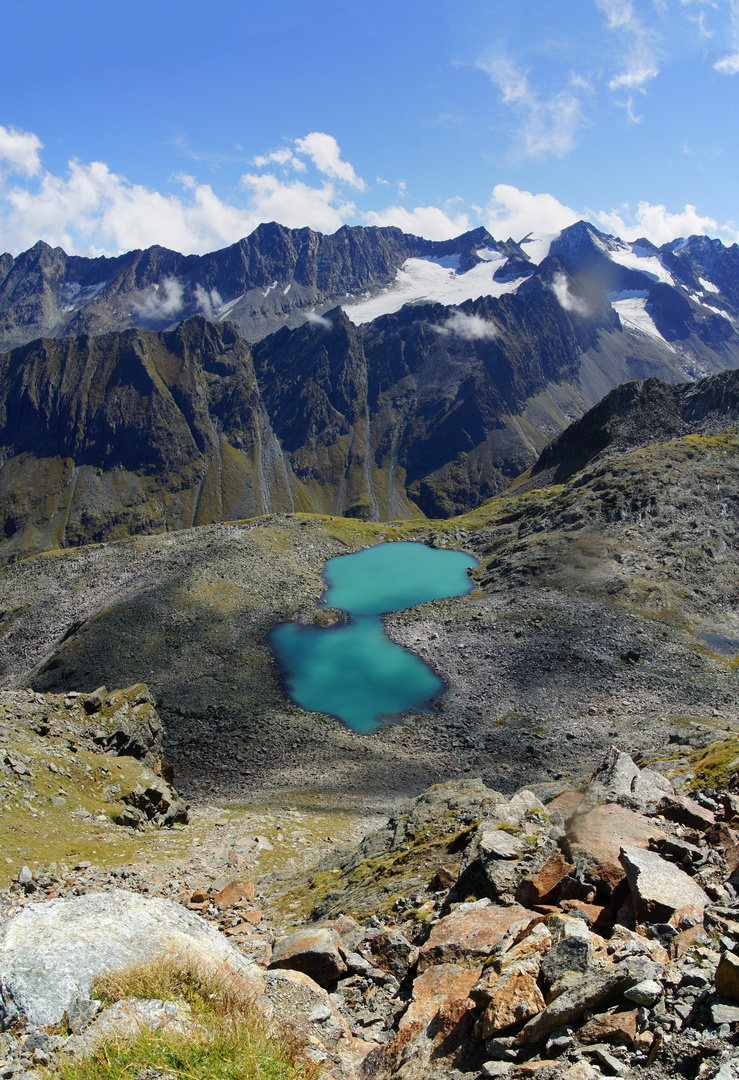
point(50, 953)
point(393, 952)
point(233, 892)
point(649, 787)
point(686, 811)
point(616, 1028)
point(597, 838)
point(660, 889)
point(316, 1028)
point(595, 990)
point(614, 776)
point(435, 988)
point(468, 934)
point(513, 1000)
point(571, 954)
point(542, 887)
point(128, 1018)
point(727, 977)
point(155, 801)
point(315, 952)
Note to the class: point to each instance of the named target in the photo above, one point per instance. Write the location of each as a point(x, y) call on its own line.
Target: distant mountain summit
point(369, 373)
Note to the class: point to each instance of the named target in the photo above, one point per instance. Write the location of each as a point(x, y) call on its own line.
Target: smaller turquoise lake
point(354, 671)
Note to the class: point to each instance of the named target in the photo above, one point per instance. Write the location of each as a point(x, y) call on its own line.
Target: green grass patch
point(225, 1040)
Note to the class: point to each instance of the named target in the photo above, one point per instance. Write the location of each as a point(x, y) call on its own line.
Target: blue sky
point(127, 125)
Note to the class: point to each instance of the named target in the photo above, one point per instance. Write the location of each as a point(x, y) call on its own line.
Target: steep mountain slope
point(426, 409)
point(605, 607)
point(267, 280)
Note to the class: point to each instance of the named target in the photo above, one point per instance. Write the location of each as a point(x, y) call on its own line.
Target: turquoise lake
point(353, 670)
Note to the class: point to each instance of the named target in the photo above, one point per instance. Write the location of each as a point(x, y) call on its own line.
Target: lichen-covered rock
point(468, 933)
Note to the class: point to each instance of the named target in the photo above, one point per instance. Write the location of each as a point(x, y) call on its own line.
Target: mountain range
point(370, 373)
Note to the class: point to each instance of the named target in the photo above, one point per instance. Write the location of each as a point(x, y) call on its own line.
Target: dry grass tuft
point(227, 1039)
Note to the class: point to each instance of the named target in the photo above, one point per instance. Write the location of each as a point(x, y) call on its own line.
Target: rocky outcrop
point(433, 985)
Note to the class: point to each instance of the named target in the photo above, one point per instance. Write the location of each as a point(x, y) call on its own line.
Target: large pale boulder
point(660, 889)
point(50, 953)
point(597, 838)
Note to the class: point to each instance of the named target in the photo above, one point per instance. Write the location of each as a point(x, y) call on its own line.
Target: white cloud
point(640, 54)
point(546, 127)
point(428, 221)
point(294, 203)
point(655, 222)
point(283, 156)
point(728, 65)
point(207, 301)
point(515, 213)
point(315, 319)
point(561, 290)
point(163, 302)
point(19, 151)
point(470, 327)
point(324, 152)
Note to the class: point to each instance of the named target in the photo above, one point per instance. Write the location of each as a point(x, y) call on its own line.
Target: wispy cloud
point(163, 302)
point(315, 319)
point(640, 61)
point(573, 304)
point(208, 301)
point(469, 327)
point(546, 126)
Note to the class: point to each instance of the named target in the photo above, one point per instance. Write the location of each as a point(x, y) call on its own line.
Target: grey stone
point(614, 776)
point(597, 989)
point(725, 1014)
point(497, 844)
point(649, 787)
point(571, 954)
point(81, 1012)
point(25, 877)
point(729, 1070)
point(645, 993)
point(51, 952)
point(129, 1017)
point(606, 1058)
point(659, 888)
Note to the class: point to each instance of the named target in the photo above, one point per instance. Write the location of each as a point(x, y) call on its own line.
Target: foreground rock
point(492, 952)
point(51, 953)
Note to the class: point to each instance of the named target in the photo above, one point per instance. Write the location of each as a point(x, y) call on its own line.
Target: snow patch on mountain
point(642, 259)
point(708, 286)
point(433, 281)
point(634, 316)
point(537, 245)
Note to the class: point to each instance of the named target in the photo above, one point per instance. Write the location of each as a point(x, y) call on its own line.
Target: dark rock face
point(428, 411)
point(637, 414)
point(268, 277)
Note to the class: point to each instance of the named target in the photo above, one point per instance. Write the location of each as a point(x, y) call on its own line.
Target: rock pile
point(594, 934)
